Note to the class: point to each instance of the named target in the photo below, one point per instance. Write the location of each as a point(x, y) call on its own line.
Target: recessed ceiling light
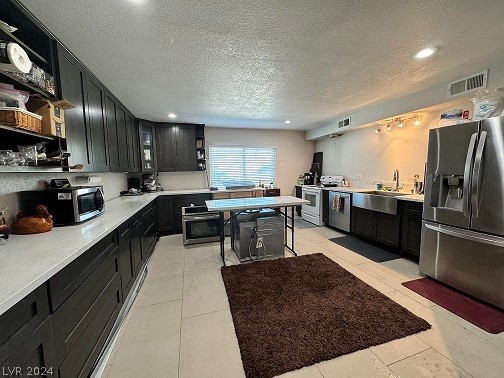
point(287, 122)
point(425, 52)
point(172, 115)
point(137, 1)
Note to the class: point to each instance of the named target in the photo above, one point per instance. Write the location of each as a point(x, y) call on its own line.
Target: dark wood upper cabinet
point(133, 143)
point(176, 146)
point(122, 141)
point(186, 148)
point(113, 147)
point(147, 131)
point(166, 148)
point(95, 106)
point(72, 86)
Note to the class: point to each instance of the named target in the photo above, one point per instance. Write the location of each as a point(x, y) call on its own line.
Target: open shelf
point(5, 35)
point(29, 169)
point(8, 78)
point(14, 131)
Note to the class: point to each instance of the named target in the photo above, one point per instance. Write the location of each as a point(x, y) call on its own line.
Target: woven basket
point(21, 119)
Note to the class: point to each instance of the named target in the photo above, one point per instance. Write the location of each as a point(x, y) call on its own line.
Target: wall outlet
point(358, 177)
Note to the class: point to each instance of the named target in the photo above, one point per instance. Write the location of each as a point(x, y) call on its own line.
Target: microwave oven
point(66, 205)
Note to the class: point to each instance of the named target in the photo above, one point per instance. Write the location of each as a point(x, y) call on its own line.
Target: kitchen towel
point(337, 203)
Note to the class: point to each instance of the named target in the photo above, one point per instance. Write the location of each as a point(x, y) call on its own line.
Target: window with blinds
point(242, 164)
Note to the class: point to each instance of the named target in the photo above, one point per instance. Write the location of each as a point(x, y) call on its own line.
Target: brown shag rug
point(293, 312)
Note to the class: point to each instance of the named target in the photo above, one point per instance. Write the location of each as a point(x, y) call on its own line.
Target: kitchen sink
point(388, 194)
point(384, 202)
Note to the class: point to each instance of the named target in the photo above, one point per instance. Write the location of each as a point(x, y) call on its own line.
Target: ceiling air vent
point(468, 84)
point(344, 123)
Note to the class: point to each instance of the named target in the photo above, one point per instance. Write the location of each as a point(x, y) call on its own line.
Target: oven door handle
point(196, 218)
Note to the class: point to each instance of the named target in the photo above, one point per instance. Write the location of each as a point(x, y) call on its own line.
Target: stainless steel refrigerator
point(463, 227)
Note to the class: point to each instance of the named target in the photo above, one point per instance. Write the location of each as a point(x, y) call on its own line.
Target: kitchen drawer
point(147, 223)
point(22, 319)
point(35, 357)
point(135, 220)
point(147, 210)
point(275, 192)
point(82, 357)
point(414, 208)
point(242, 195)
point(76, 316)
point(216, 196)
point(148, 241)
point(124, 232)
point(66, 281)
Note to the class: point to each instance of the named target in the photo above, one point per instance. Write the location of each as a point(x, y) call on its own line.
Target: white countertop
point(254, 203)
point(27, 261)
point(204, 191)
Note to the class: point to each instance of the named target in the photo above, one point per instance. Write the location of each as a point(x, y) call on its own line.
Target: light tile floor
point(181, 326)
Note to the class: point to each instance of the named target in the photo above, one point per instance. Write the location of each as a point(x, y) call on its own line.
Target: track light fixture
point(417, 121)
point(401, 123)
point(378, 129)
point(389, 127)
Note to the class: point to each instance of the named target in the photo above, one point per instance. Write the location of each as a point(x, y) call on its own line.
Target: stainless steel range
point(199, 225)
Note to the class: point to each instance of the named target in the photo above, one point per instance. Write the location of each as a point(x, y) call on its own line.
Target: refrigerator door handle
point(468, 235)
point(477, 174)
point(467, 173)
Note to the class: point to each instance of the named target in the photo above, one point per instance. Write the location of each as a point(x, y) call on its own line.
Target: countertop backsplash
point(183, 180)
point(11, 183)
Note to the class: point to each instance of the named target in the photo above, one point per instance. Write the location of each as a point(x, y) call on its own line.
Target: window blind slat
point(242, 164)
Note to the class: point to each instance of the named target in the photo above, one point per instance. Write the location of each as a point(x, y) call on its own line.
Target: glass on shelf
point(5, 157)
point(147, 154)
point(147, 139)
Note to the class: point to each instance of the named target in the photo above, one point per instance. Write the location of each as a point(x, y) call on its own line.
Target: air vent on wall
point(468, 84)
point(344, 123)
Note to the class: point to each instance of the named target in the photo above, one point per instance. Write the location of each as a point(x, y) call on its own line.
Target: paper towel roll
point(87, 179)
point(13, 58)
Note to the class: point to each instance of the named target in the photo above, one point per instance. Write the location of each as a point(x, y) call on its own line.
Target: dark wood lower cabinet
point(299, 194)
point(22, 319)
point(165, 215)
point(380, 227)
point(386, 229)
point(126, 263)
point(60, 328)
point(169, 210)
point(362, 222)
point(411, 230)
point(35, 357)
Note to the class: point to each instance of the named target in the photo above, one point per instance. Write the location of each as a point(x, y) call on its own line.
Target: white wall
point(11, 183)
point(376, 156)
point(412, 101)
point(294, 155)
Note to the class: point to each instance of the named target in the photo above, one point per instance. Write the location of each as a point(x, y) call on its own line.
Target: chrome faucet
point(396, 179)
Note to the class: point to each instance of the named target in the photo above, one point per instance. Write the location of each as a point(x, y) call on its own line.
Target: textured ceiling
point(256, 63)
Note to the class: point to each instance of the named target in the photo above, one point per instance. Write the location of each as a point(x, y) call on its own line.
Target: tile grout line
point(405, 358)
point(181, 311)
point(205, 313)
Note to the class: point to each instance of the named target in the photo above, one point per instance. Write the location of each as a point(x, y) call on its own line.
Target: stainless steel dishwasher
point(340, 208)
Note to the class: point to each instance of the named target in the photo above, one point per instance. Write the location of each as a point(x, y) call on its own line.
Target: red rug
point(482, 315)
